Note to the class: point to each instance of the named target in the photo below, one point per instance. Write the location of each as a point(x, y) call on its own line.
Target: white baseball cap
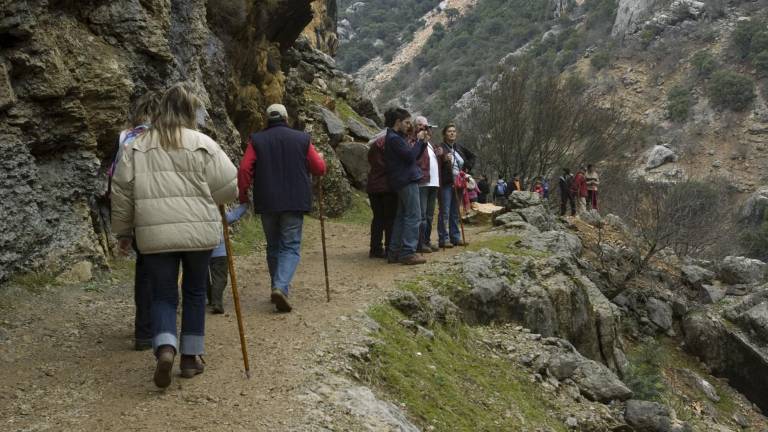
point(277, 112)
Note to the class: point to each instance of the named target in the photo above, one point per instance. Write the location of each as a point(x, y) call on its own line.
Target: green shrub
point(600, 60)
point(679, 101)
point(704, 63)
point(760, 62)
point(759, 43)
point(644, 376)
point(731, 90)
point(742, 36)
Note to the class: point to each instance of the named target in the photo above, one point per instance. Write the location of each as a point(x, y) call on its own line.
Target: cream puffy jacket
point(169, 198)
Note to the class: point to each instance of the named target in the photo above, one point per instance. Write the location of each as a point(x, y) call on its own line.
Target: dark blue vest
point(281, 180)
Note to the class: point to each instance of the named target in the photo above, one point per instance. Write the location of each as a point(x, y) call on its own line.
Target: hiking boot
point(461, 243)
point(377, 254)
point(280, 301)
point(165, 356)
point(447, 246)
point(424, 249)
point(191, 365)
point(216, 309)
point(392, 260)
point(142, 344)
point(413, 260)
point(435, 248)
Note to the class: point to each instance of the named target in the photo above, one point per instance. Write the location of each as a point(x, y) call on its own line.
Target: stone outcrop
point(69, 72)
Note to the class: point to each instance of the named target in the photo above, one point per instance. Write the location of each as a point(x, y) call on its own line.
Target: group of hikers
point(167, 183)
point(410, 174)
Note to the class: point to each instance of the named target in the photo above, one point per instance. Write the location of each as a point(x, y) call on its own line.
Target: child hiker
point(218, 267)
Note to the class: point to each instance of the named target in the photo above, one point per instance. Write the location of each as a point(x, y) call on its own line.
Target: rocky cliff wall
point(69, 71)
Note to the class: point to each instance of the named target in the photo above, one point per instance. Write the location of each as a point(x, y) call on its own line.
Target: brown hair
point(448, 126)
point(144, 108)
point(177, 110)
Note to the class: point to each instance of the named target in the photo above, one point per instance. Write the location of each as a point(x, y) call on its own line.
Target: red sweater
point(315, 164)
point(579, 186)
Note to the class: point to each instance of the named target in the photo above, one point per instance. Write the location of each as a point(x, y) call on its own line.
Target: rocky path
point(67, 362)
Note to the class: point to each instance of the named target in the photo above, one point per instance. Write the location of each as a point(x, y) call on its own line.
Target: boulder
point(354, 158)
point(702, 385)
point(660, 313)
point(555, 242)
point(659, 156)
point(646, 416)
point(753, 209)
point(359, 130)
point(711, 294)
point(520, 200)
point(695, 276)
point(333, 124)
point(740, 270)
point(595, 381)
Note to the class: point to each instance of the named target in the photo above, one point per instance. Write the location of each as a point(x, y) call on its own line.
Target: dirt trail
point(68, 364)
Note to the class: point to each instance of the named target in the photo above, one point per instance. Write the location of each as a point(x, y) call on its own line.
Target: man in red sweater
point(277, 164)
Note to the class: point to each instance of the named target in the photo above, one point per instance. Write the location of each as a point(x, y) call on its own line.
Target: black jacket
point(446, 165)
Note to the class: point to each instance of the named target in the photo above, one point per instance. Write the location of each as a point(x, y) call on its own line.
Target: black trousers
point(564, 199)
point(218, 270)
point(142, 298)
point(384, 208)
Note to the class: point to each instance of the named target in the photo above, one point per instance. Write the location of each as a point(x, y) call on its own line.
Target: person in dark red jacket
point(278, 162)
point(383, 200)
point(579, 190)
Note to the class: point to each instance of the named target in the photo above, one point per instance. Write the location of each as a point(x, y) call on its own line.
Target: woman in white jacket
point(166, 191)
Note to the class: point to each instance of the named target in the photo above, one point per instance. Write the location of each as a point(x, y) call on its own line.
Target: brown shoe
point(461, 243)
point(280, 301)
point(165, 356)
point(191, 365)
point(217, 309)
point(413, 260)
point(447, 246)
point(435, 248)
point(424, 249)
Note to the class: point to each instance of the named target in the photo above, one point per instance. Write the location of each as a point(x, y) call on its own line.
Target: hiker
point(383, 200)
point(565, 183)
point(545, 187)
point(166, 188)
point(484, 189)
point(218, 267)
point(404, 175)
point(516, 184)
point(593, 181)
point(499, 192)
point(139, 120)
point(428, 186)
point(454, 158)
point(579, 191)
point(538, 188)
point(277, 164)
point(472, 189)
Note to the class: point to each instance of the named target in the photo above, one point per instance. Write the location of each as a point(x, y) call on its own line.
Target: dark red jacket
point(424, 163)
point(579, 185)
point(377, 175)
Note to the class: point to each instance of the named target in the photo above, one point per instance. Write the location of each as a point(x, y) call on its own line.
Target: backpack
point(501, 189)
point(471, 184)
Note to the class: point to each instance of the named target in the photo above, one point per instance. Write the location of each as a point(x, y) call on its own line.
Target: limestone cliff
point(69, 71)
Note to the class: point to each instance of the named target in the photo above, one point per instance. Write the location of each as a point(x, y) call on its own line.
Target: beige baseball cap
point(277, 112)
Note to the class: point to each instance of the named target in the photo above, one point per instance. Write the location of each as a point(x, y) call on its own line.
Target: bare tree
point(532, 123)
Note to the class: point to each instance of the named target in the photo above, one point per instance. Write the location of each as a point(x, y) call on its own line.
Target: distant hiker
point(517, 186)
point(218, 267)
point(538, 188)
point(404, 175)
point(455, 157)
point(593, 181)
point(565, 182)
point(428, 186)
point(472, 189)
point(579, 191)
point(499, 191)
point(383, 200)
point(484, 189)
point(277, 164)
point(166, 189)
point(545, 186)
point(139, 121)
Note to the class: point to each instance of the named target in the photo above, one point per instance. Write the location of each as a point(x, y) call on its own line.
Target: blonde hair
point(177, 110)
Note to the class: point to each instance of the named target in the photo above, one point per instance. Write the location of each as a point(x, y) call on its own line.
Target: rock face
point(630, 14)
point(69, 72)
point(741, 270)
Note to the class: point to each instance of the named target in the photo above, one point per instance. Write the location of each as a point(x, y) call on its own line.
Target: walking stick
point(459, 205)
point(235, 294)
point(322, 240)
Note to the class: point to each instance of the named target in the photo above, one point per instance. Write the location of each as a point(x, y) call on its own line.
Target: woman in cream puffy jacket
point(167, 189)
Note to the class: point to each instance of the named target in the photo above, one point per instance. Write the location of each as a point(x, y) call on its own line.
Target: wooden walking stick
point(235, 294)
point(459, 205)
point(322, 240)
